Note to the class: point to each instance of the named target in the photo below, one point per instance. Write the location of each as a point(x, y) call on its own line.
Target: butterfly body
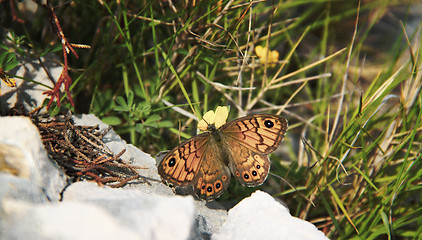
point(238, 148)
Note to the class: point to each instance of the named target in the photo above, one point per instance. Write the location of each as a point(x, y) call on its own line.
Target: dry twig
point(80, 151)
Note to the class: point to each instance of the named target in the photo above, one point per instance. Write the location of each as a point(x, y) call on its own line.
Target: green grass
point(354, 107)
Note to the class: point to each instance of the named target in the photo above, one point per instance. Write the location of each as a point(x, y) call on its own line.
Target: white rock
point(27, 93)
point(91, 191)
point(23, 155)
point(262, 217)
point(210, 218)
point(91, 120)
point(14, 187)
point(150, 216)
point(69, 220)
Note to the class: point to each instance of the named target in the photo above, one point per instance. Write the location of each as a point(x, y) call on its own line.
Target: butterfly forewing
point(261, 133)
point(181, 165)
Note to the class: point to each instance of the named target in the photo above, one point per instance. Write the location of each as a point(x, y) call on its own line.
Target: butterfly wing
point(181, 165)
point(197, 162)
point(249, 140)
point(214, 176)
point(250, 168)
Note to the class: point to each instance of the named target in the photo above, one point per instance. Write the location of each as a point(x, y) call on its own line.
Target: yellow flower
point(261, 52)
point(218, 118)
point(10, 82)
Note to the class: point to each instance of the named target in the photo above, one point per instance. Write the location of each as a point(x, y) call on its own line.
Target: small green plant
point(8, 56)
point(7, 60)
point(138, 117)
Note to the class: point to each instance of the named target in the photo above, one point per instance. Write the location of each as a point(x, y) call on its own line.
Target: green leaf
point(152, 121)
point(122, 105)
point(2, 57)
point(112, 120)
point(140, 128)
point(130, 98)
point(68, 106)
point(153, 118)
point(10, 66)
point(209, 60)
point(54, 111)
point(56, 48)
point(182, 51)
point(4, 47)
point(384, 218)
point(10, 58)
point(165, 124)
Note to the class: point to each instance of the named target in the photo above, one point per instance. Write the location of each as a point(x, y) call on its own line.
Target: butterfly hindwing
point(250, 168)
point(213, 176)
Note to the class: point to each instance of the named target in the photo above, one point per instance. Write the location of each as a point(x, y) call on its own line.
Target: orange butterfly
point(240, 147)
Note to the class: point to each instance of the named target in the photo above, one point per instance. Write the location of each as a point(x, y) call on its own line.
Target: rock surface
point(66, 220)
point(262, 217)
point(23, 155)
point(146, 214)
point(27, 93)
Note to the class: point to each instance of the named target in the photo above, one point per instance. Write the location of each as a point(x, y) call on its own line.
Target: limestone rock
point(262, 217)
point(22, 154)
